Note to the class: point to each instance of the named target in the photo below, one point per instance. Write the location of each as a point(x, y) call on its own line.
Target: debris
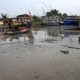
point(71, 47)
point(79, 39)
point(64, 51)
point(17, 57)
point(56, 72)
point(25, 44)
point(36, 76)
point(43, 50)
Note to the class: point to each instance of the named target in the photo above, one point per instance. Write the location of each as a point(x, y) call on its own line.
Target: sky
point(17, 7)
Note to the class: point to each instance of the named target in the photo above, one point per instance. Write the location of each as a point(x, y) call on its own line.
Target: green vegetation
point(53, 13)
point(56, 12)
point(36, 20)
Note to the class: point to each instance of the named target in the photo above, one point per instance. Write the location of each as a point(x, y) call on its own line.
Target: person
point(27, 23)
point(10, 24)
point(5, 21)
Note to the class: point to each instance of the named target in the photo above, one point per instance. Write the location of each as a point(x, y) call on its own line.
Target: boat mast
point(47, 8)
point(36, 13)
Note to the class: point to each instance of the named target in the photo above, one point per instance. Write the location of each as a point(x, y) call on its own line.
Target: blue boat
point(71, 21)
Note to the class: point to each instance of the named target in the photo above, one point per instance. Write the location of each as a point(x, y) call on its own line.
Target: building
point(1, 21)
point(22, 18)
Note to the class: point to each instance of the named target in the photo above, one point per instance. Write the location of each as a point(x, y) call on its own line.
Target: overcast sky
point(16, 7)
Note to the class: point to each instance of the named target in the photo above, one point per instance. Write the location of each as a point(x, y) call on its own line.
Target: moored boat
point(51, 22)
point(71, 21)
point(19, 31)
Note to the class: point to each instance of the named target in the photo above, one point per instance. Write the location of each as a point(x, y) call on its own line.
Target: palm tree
point(4, 16)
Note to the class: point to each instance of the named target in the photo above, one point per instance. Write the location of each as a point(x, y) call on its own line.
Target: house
point(1, 21)
point(22, 18)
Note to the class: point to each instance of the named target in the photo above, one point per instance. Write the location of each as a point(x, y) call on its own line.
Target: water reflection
point(67, 33)
point(19, 37)
point(14, 37)
point(40, 34)
point(31, 37)
point(53, 31)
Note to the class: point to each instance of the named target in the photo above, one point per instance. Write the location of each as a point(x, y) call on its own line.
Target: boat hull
point(71, 21)
point(51, 23)
point(15, 32)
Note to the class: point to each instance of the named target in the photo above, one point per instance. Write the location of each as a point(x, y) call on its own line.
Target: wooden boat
point(15, 32)
point(20, 31)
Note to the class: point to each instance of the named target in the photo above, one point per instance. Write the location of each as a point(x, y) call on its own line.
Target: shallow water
point(43, 35)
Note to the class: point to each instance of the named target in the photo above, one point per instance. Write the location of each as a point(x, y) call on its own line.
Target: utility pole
point(79, 22)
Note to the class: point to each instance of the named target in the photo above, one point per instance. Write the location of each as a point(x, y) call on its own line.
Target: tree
point(55, 12)
point(52, 13)
point(48, 14)
point(65, 15)
point(59, 14)
point(4, 16)
point(36, 18)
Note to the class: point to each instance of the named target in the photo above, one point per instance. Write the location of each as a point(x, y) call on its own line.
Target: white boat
point(51, 22)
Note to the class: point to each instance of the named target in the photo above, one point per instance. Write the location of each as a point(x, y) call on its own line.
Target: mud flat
point(39, 62)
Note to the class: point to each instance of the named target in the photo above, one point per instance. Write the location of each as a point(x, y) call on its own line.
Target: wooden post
point(79, 22)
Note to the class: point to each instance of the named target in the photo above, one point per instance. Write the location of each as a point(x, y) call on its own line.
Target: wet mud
point(42, 54)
